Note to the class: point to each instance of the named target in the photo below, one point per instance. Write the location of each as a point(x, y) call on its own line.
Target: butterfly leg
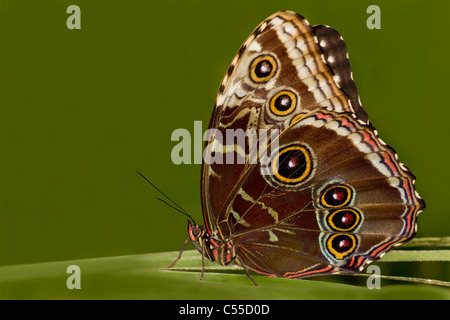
point(246, 270)
point(203, 258)
point(179, 255)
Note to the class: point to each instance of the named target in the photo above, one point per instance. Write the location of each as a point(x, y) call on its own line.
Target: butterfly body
point(333, 197)
point(211, 246)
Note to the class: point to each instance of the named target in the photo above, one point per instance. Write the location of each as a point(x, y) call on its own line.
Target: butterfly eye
point(292, 164)
point(341, 245)
point(263, 68)
point(283, 103)
point(344, 219)
point(336, 196)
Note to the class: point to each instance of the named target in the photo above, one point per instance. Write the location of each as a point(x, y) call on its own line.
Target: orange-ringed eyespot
point(292, 164)
point(263, 68)
point(344, 219)
point(283, 103)
point(336, 196)
point(341, 245)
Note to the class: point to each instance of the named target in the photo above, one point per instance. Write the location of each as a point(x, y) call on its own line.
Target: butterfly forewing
point(287, 43)
point(336, 55)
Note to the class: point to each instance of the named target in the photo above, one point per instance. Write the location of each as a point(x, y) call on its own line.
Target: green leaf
point(428, 242)
point(417, 255)
point(144, 277)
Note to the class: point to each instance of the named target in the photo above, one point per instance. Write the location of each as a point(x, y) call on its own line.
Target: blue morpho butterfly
point(334, 197)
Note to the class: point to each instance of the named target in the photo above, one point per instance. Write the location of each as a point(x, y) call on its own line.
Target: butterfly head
point(211, 246)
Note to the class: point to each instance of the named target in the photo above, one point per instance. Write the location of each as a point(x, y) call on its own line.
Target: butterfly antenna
point(176, 207)
point(168, 204)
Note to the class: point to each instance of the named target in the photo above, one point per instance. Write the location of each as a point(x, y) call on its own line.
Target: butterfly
point(333, 197)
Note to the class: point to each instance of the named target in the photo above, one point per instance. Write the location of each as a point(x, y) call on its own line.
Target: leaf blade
point(416, 255)
point(144, 277)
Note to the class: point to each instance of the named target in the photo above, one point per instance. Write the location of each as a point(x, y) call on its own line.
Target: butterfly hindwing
point(351, 202)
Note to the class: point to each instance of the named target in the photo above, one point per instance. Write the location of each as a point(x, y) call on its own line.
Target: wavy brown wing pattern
point(334, 197)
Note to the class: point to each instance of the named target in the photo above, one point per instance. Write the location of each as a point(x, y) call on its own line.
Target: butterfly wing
point(336, 55)
point(282, 55)
point(338, 200)
point(285, 217)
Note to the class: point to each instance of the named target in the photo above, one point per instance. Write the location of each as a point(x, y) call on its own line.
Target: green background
point(81, 110)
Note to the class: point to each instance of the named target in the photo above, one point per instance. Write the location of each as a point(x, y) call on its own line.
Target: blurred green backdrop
point(81, 110)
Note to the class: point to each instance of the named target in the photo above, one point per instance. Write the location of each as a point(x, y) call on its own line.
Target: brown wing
point(336, 56)
point(282, 61)
point(337, 200)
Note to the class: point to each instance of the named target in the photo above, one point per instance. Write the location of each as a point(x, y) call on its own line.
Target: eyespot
point(336, 196)
point(263, 68)
point(341, 245)
point(344, 219)
point(283, 103)
point(292, 164)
